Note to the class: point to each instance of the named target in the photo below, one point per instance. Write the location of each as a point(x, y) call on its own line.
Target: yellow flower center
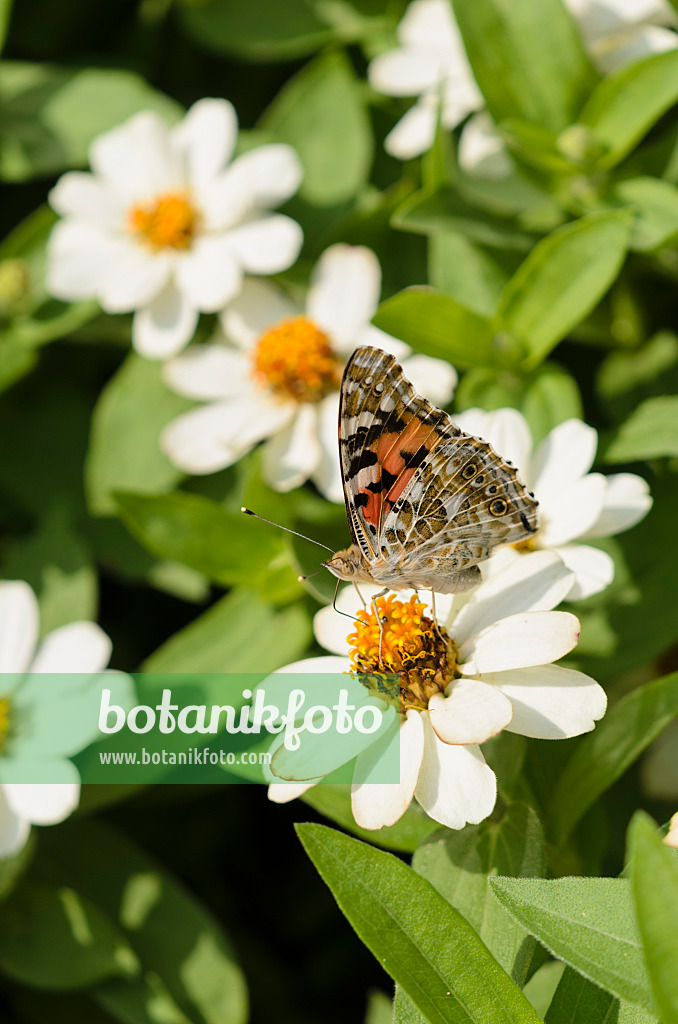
point(295, 360)
point(4, 720)
point(407, 645)
point(168, 222)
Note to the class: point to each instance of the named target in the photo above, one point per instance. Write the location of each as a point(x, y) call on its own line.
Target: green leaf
point(124, 451)
point(12, 868)
point(188, 966)
point(222, 545)
point(322, 113)
point(654, 877)
point(578, 1001)
point(54, 938)
point(546, 397)
point(5, 14)
point(458, 865)
point(655, 206)
point(51, 115)
point(606, 753)
point(58, 565)
point(623, 108)
point(408, 832)
point(429, 213)
point(588, 923)
point(651, 432)
point(563, 279)
point(240, 633)
point(379, 1008)
point(274, 32)
point(426, 946)
point(463, 270)
point(527, 58)
point(437, 325)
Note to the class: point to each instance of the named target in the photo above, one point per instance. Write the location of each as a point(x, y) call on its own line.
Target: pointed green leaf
point(578, 1001)
point(654, 876)
point(606, 753)
point(419, 939)
point(655, 206)
point(588, 923)
point(650, 432)
point(563, 279)
point(405, 835)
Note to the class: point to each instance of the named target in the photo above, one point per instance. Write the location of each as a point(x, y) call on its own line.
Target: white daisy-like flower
point(574, 505)
point(168, 223)
point(278, 378)
point(431, 64)
point(39, 724)
point(488, 667)
point(620, 32)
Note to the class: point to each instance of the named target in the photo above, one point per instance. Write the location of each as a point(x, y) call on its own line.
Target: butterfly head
point(349, 565)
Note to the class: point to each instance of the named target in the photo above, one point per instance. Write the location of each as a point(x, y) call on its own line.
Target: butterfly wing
point(426, 502)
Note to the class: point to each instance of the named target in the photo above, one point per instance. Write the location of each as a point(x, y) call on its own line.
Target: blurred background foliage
point(554, 293)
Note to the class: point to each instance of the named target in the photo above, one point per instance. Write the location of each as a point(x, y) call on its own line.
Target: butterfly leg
point(338, 610)
point(435, 617)
point(382, 593)
point(357, 590)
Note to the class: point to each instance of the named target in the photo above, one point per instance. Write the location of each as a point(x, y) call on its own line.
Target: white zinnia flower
point(39, 723)
point(496, 673)
point(574, 505)
point(278, 379)
point(167, 225)
point(431, 64)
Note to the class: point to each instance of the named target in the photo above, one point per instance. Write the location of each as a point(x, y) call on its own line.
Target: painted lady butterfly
point(425, 502)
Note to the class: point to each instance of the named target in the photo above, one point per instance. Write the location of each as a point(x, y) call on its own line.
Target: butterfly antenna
point(248, 512)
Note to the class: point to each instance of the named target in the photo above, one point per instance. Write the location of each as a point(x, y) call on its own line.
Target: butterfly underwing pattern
point(425, 502)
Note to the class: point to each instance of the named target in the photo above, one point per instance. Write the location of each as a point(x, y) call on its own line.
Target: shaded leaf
point(650, 432)
point(278, 32)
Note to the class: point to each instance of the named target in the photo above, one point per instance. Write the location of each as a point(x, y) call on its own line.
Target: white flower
point(498, 674)
point(430, 63)
point(574, 505)
point(620, 32)
point(166, 225)
point(39, 724)
point(278, 381)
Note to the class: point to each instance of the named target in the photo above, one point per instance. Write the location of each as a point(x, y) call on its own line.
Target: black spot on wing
point(526, 523)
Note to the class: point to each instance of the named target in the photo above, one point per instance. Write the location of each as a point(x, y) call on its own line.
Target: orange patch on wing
point(390, 447)
point(372, 510)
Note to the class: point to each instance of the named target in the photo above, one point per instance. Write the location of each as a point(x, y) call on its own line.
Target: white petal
point(640, 42)
point(429, 24)
point(258, 306)
point(461, 96)
point(371, 335)
point(565, 455)
point(135, 278)
point(209, 274)
point(482, 151)
point(79, 194)
point(274, 173)
point(267, 244)
point(593, 569)
point(80, 258)
point(215, 436)
point(377, 804)
point(331, 627)
point(455, 784)
point(519, 641)
point(77, 647)
point(207, 137)
point(537, 581)
point(208, 372)
point(506, 430)
point(435, 379)
point(19, 624)
point(572, 512)
point(403, 72)
point(224, 201)
point(165, 326)
point(325, 664)
point(627, 501)
point(414, 132)
point(283, 792)
point(137, 159)
point(551, 702)
point(44, 803)
point(471, 713)
point(327, 474)
point(344, 291)
point(292, 454)
point(13, 828)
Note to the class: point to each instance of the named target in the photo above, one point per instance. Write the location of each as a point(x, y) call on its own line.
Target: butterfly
point(425, 502)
